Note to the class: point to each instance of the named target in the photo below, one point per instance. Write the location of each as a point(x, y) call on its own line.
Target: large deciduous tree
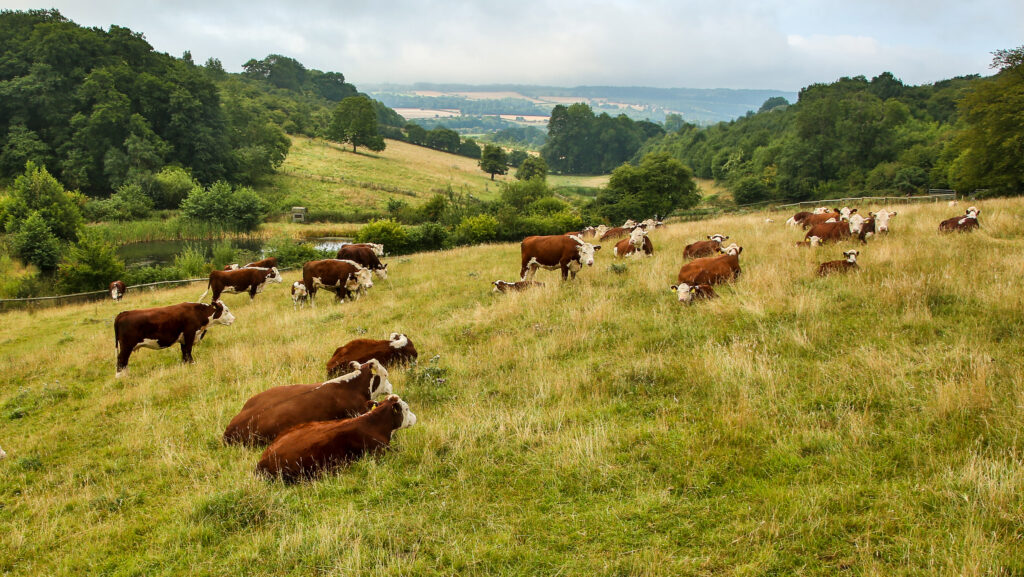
point(493, 160)
point(532, 167)
point(659, 185)
point(355, 121)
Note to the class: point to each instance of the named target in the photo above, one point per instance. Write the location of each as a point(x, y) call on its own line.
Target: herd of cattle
point(310, 428)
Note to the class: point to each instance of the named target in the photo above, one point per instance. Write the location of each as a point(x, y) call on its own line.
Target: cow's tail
point(117, 340)
point(202, 296)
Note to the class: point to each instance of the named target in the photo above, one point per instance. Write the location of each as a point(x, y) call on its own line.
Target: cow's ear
point(709, 237)
point(369, 406)
point(871, 215)
point(354, 365)
point(597, 247)
point(385, 267)
point(673, 287)
point(892, 214)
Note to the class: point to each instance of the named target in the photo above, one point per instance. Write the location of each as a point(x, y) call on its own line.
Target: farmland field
point(867, 424)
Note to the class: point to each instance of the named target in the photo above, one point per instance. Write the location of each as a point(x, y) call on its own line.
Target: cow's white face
point(882, 219)
point(408, 418)
point(274, 276)
point(586, 251)
point(733, 249)
point(398, 341)
point(225, 318)
point(844, 213)
point(630, 223)
point(851, 255)
point(114, 294)
point(821, 210)
point(382, 272)
point(719, 238)
point(600, 230)
point(636, 238)
point(856, 223)
point(380, 386)
point(365, 278)
point(684, 292)
point(815, 240)
point(973, 212)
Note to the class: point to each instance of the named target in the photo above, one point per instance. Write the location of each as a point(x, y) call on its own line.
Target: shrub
point(223, 254)
point(91, 264)
point(238, 209)
point(35, 244)
point(170, 187)
point(391, 234)
point(750, 190)
point(37, 191)
point(476, 229)
point(128, 203)
point(428, 236)
point(292, 254)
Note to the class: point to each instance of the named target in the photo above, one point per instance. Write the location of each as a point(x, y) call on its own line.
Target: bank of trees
point(581, 143)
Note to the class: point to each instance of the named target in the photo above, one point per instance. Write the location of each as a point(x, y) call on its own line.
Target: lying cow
point(617, 232)
point(816, 219)
point(881, 219)
point(299, 295)
point(397, 349)
point(961, 223)
point(688, 293)
point(268, 414)
point(305, 451)
point(250, 280)
point(590, 232)
point(705, 247)
point(117, 290)
point(837, 231)
point(712, 269)
point(841, 266)
point(344, 278)
point(568, 253)
point(799, 218)
point(637, 243)
point(161, 327)
point(364, 256)
point(501, 286)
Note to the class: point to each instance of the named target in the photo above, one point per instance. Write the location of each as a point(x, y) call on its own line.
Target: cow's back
point(829, 231)
point(359, 254)
point(306, 449)
point(548, 250)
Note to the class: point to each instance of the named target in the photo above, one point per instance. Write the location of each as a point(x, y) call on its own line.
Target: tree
point(441, 138)
point(355, 121)
point(493, 160)
point(90, 265)
point(35, 244)
point(416, 134)
point(532, 167)
point(470, 148)
point(238, 209)
point(658, 186)
point(37, 191)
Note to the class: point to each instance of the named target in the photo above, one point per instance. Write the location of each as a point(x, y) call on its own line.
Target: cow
point(630, 223)
point(867, 229)
point(378, 249)
point(809, 242)
point(638, 243)
point(306, 450)
point(269, 262)
point(961, 223)
point(342, 277)
point(650, 223)
point(712, 269)
point(364, 256)
point(798, 218)
point(250, 280)
point(688, 293)
point(569, 253)
point(617, 232)
point(501, 286)
point(161, 327)
point(591, 232)
point(814, 219)
point(117, 290)
point(705, 247)
point(268, 414)
point(846, 212)
point(881, 219)
point(842, 266)
point(836, 231)
point(299, 295)
point(233, 266)
point(397, 349)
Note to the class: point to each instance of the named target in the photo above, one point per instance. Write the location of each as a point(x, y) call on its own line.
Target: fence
point(936, 196)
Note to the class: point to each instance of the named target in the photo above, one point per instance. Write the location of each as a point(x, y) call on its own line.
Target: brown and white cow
point(250, 280)
point(705, 247)
point(162, 327)
point(798, 218)
point(266, 415)
point(306, 450)
point(841, 266)
point(881, 219)
point(364, 256)
point(712, 269)
point(836, 231)
point(378, 249)
point(344, 278)
point(816, 219)
point(961, 223)
point(688, 293)
point(651, 223)
point(568, 253)
point(638, 243)
point(617, 232)
point(501, 286)
point(300, 296)
point(117, 290)
point(396, 349)
point(269, 262)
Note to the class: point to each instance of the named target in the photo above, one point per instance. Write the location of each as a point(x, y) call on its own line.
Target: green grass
point(868, 424)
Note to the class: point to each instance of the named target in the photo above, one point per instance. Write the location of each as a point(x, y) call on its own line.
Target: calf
point(305, 451)
point(568, 253)
point(268, 414)
point(250, 280)
point(713, 269)
point(637, 243)
point(501, 286)
point(397, 349)
point(299, 295)
point(161, 327)
point(342, 277)
point(365, 257)
point(705, 247)
point(688, 293)
point(117, 290)
point(847, 265)
point(961, 223)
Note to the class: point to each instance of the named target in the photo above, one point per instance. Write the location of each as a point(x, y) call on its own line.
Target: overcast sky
point(770, 44)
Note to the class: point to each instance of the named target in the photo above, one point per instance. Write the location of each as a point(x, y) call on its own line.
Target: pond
point(162, 252)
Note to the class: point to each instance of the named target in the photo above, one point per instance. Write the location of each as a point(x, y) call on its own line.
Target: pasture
point(868, 423)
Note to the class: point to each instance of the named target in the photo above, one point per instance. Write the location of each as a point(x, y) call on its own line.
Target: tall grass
point(863, 424)
point(175, 228)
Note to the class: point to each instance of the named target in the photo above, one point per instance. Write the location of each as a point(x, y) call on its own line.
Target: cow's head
point(636, 238)
point(733, 249)
point(403, 418)
point(973, 212)
point(274, 275)
point(856, 223)
point(380, 386)
point(600, 230)
point(851, 255)
point(378, 249)
point(684, 292)
point(398, 341)
point(585, 250)
point(719, 238)
point(500, 286)
point(231, 267)
point(821, 210)
point(298, 290)
point(221, 314)
point(381, 271)
point(882, 219)
point(361, 279)
point(630, 223)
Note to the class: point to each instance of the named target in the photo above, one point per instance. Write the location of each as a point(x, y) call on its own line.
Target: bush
point(35, 244)
point(128, 203)
point(237, 209)
point(476, 229)
point(292, 254)
point(750, 190)
point(148, 274)
point(223, 254)
point(37, 191)
point(191, 262)
point(91, 264)
point(170, 187)
point(428, 236)
point(391, 234)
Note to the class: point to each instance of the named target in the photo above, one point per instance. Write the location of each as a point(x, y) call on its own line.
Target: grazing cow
point(378, 249)
point(397, 349)
point(161, 327)
point(269, 262)
point(705, 247)
point(250, 280)
point(881, 219)
point(342, 277)
point(847, 265)
point(688, 293)
point(637, 243)
point(266, 415)
point(299, 295)
point(304, 451)
point(569, 253)
point(712, 269)
point(117, 290)
point(961, 223)
point(836, 231)
point(501, 286)
point(819, 218)
point(231, 267)
point(364, 256)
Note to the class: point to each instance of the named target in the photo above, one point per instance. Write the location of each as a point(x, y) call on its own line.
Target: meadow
point(867, 424)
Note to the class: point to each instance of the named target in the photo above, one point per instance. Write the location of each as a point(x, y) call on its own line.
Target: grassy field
point(868, 424)
point(321, 175)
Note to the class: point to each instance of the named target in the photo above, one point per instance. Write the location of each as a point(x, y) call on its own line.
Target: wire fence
point(932, 196)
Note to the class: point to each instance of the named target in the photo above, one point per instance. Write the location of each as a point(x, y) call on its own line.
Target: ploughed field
point(870, 422)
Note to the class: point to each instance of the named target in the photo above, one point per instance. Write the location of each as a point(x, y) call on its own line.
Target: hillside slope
point(795, 425)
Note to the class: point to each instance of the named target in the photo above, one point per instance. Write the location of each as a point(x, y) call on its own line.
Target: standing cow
point(364, 256)
point(162, 327)
point(250, 280)
point(117, 290)
point(568, 253)
point(344, 278)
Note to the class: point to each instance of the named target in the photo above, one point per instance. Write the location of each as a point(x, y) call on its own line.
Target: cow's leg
point(524, 269)
point(565, 271)
point(188, 338)
point(252, 292)
point(123, 353)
